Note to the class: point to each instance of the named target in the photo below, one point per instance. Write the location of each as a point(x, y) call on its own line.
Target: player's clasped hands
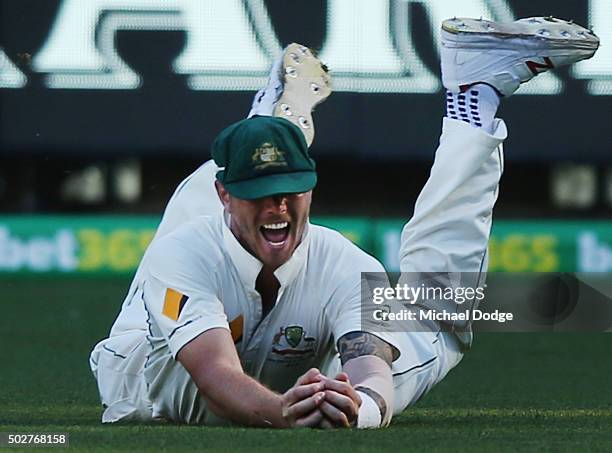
point(318, 401)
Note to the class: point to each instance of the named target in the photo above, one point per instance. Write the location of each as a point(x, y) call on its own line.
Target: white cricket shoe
point(504, 55)
point(298, 82)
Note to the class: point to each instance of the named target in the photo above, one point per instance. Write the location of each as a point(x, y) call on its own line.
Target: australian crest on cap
point(268, 155)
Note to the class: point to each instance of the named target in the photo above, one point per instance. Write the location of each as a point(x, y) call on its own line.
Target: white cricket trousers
point(448, 232)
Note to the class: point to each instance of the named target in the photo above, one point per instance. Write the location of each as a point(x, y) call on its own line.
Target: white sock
point(476, 106)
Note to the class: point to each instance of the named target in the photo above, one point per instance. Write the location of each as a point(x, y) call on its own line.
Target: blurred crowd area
point(347, 187)
point(105, 106)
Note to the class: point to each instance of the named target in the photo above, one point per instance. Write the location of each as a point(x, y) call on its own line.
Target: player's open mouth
point(276, 234)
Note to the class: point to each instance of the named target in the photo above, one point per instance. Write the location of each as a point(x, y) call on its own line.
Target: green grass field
point(512, 392)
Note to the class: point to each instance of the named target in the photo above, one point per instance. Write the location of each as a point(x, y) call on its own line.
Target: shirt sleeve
point(180, 295)
point(345, 305)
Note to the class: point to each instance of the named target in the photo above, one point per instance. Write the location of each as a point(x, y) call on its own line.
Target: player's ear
point(223, 194)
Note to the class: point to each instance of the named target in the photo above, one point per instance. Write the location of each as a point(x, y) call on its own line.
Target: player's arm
point(366, 359)
point(362, 395)
point(213, 364)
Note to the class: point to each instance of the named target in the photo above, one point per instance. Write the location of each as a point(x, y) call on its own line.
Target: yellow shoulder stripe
point(173, 304)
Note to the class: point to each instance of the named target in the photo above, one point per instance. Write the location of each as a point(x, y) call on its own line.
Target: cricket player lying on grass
point(242, 311)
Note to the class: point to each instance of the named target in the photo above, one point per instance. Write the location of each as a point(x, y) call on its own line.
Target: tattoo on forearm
point(379, 400)
point(356, 344)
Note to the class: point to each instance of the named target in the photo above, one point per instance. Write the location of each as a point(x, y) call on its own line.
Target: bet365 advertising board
point(108, 245)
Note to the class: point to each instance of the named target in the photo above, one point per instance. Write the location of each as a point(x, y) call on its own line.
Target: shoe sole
point(540, 32)
point(306, 83)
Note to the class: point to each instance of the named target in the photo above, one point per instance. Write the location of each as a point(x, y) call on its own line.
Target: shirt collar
point(249, 267)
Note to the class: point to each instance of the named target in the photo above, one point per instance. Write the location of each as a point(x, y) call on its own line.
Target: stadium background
point(106, 105)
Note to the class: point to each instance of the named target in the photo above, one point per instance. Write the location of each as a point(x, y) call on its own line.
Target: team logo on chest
point(292, 341)
point(293, 335)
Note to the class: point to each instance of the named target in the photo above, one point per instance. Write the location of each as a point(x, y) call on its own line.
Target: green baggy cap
point(263, 156)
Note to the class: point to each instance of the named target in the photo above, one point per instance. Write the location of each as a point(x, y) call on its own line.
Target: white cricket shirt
point(196, 276)
point(203, 264)
point(199, 277)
